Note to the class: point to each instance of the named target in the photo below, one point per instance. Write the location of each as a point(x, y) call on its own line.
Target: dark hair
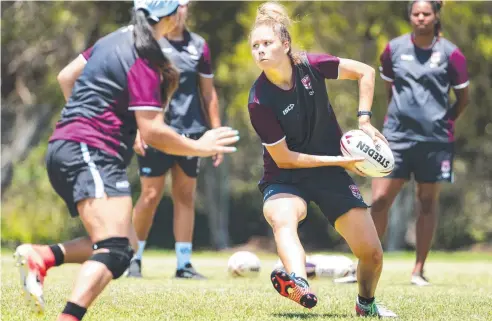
point(436, 8)
point(274, 15)
point(148, 48)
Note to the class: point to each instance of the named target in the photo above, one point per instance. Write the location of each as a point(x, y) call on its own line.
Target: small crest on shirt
point(167, 50)
point(355, 191)
point(306, 81)
point(435, 59)
point(192, 51)
point(407, 57)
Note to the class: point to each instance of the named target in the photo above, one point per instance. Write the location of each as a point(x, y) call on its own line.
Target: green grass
point(462, 290)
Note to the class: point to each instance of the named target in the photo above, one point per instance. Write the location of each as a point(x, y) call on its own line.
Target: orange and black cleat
point(293, 287)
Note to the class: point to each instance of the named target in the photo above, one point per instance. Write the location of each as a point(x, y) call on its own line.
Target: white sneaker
point(32, 272)
point(419, 280)
point(373, 310)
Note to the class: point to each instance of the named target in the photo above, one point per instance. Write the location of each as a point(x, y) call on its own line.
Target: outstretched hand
point(217, 141)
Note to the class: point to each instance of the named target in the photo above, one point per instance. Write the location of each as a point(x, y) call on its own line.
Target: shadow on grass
point(310, 315)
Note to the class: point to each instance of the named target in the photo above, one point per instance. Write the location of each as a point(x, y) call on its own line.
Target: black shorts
point(335, 194)
point(156, 163)
point(77, 172)
point(428, 162)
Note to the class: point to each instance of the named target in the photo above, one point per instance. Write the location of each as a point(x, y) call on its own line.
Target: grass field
point(462, 290)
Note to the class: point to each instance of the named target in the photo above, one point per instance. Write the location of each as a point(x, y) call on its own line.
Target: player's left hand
point(369, 129)
point(218, 159)
point(139, 145)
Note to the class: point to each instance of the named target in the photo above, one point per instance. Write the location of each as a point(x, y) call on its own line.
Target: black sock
point(365, 301)
point(59, 256)
point(74, 310)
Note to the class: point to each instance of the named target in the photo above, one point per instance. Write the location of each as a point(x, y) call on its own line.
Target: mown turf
point(462, 290)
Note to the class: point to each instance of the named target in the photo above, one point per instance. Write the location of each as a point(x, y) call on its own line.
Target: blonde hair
point(275, 15)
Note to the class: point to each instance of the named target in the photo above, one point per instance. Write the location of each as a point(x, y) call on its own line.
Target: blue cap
point(157, 9)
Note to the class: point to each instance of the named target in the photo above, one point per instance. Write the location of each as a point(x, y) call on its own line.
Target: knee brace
point(116, 254)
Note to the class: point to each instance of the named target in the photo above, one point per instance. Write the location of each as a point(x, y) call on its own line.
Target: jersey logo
point(407, 57)
point(167, 50)
point(306, 81)
point(435, 59)
point(192, 51)
point(122, 184)
point(446, 168)
point(289, 108)
point(355, 191)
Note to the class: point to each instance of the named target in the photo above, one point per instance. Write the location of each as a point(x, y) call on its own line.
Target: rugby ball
point(243, 264)
point(379, 160)
point(333, 266)
point(310, 267)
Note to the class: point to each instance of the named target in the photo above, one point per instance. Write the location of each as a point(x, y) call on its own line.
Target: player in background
point(188, 116)
point(291, 113)
point(118, 89)
point(419, 70)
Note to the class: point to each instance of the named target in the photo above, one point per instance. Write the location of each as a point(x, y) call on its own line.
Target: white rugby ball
point(244, 263)
point(332, 266)
point(310, 267)
point(379, 160)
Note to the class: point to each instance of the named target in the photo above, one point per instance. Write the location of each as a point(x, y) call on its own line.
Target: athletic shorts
point(428, 162)
point(77, 172)
point(156, 163)
point(335, 194)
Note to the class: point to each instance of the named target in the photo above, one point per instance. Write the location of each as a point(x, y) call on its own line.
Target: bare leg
point(357, 228)
point(184, 192)
point(103, 218)
point(283, 212)
point(428, 199)
point(384, 191)
point(144, 211)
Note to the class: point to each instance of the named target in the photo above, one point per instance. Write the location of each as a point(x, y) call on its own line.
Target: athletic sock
point(52, 255)
point(365, 301)
point(183, 253)
point(72, 312)
point(141, 248)
point(58, 253)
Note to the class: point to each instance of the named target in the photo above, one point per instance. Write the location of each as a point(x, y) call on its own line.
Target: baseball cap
point(157, 9)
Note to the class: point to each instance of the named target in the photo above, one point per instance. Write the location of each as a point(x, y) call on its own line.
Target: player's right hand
point(349, 163)
point(217, 140)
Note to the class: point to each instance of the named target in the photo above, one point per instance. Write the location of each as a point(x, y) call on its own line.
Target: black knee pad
point(117, 258)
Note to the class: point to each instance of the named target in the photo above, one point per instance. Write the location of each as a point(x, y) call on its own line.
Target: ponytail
point(149, 49)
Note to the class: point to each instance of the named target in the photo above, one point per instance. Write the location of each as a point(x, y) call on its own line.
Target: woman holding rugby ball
point(290, 111)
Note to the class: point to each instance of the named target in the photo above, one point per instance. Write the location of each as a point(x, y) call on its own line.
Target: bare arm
point(162, 137)
point(462, 101)
point(285, 158)
point(210, 100)
point(67, 77)
point(365, 75)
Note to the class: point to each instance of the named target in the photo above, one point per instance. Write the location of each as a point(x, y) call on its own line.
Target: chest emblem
point(306, 81)
point(407, 57)
point(435, 59)
point(192, 51)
